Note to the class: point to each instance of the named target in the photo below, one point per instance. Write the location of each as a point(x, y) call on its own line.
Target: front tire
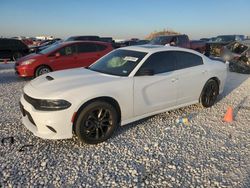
point(42, 70)
point(96, 122)
point(209, 93)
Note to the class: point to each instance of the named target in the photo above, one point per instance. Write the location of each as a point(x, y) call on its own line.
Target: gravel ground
point(154, 152)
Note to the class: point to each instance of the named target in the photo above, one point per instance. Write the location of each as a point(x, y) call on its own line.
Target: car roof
point(155, 48)
point(83, 41)
point(171, 35)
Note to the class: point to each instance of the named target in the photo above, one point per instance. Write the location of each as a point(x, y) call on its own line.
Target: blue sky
point(123, 19)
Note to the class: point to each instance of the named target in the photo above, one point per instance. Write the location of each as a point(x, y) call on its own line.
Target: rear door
point(86, 54)
point(193, 74)
point(67, 58)
point(159, 91)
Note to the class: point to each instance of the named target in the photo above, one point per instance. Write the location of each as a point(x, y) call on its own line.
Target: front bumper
point(46, 124)
point(24, 71)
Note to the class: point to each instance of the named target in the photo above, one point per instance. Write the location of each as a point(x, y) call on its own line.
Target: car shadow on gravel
point(234, 80)
point(10, 77)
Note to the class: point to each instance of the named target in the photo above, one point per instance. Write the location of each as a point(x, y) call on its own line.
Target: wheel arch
point(212, 78)
point(46, 65)
point(107, 99)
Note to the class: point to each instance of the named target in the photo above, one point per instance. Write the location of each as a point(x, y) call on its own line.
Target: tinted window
point(101, 47)
point(160, 62)
point(4, 43)
point(186, 59)
point(182, 39)
point(67, 50)
point(86, 47)
point(19, 44)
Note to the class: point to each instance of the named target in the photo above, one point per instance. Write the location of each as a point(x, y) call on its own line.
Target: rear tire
point(209, 93)
point(96, 122)
point(42, 70)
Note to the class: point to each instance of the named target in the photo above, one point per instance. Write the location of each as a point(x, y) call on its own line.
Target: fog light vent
point(51, 128)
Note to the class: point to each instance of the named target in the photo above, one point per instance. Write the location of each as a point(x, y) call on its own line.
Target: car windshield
point(50, 49)
point(225, 38)
point(118, 62)
point(162, 40)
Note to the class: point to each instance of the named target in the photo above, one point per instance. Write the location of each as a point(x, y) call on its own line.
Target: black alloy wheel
point(96, 122)
point(209, 93)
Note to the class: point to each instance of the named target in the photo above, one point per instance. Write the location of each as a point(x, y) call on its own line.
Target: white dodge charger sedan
point(126, 85)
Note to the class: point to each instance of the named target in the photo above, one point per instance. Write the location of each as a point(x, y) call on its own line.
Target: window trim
point(176, 60)
point(169, 51)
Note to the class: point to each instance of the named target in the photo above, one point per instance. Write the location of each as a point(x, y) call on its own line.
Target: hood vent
point(49, 78)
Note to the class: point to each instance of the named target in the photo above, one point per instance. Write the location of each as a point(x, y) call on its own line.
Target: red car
point(65, 55)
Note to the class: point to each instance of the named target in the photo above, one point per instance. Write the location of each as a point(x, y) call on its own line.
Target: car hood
point(62, 82)
point(30, 56)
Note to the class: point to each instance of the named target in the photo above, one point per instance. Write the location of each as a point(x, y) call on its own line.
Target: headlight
point(27, 62)
point(51, 105)
point(47, 105)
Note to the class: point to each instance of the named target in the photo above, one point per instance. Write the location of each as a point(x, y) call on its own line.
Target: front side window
point(118, 62)
point(160, 62)
point(50, 49)
point(67, 50)
point(186, 59)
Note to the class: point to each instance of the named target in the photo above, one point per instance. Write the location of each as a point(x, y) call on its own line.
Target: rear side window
point(160, 62)
point(101, 47)
point(186, 60)
point(87, 47)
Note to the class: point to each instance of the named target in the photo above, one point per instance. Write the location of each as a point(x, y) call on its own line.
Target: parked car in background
point(238, 54)
point(25, 40)
point(180, 41)
point(107, 39)
point(125, 43)
point(205, 39)
point(44, 45)
point(64, 55)
point(85, 38)
point(216, 44)
point(12, 49)
point(142, 42)
point(126, 85)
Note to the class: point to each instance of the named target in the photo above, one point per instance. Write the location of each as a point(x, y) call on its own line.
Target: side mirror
point(145, 72)
point(57, 54)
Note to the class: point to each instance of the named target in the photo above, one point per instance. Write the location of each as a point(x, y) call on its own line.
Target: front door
point(159, 91)
point(64, 58)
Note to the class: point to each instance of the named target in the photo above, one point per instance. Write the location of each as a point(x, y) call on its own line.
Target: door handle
point(205, 71)
point(174, 79)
